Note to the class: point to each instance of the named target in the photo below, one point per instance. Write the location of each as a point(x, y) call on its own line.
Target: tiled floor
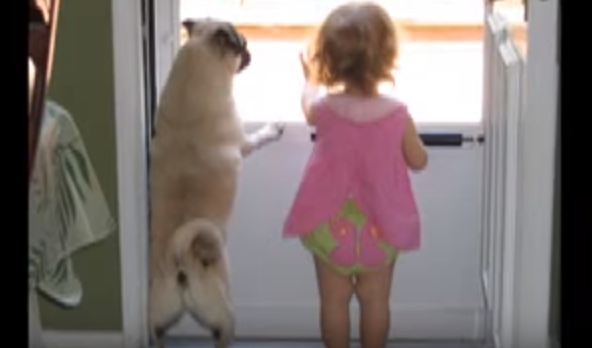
point(188, 343)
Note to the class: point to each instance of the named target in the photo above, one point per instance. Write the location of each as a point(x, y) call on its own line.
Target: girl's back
point(358, 155)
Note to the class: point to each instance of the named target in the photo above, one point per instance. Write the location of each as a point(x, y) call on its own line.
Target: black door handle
point(438, 139)
point(448, 139)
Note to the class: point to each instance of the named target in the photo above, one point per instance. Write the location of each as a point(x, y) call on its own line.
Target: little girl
point(355, 209)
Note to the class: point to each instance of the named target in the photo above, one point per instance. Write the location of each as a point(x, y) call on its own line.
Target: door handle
point(449, 139)
point(439, 139)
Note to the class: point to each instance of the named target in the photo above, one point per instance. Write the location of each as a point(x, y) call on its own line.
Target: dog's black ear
point(188, 24)
point(206, 248)
point(228, 37)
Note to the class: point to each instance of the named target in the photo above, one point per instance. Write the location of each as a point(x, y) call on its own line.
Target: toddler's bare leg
point(373, 292)
point(335, 292)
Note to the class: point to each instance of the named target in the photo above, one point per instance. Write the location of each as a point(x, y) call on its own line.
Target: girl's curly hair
point(357, 45)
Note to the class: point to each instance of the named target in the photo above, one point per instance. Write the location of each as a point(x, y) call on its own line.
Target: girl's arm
point(310, 92)
point(415, 153)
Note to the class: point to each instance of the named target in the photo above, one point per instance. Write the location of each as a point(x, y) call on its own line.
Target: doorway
point(439, 291)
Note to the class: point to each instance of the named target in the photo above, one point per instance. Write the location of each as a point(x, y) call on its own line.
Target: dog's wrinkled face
point(223, 36)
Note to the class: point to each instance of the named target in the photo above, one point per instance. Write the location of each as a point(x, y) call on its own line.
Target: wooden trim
point(42, 33)
point(410, 31)
point(53, 26)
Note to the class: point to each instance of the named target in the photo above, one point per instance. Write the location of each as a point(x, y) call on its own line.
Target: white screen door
point(438, 291)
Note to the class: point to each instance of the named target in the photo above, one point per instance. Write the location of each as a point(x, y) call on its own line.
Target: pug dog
point(195, 161)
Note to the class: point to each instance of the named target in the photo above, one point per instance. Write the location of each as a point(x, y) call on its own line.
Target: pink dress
point(360, 162)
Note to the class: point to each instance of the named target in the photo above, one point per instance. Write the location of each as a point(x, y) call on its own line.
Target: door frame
point(537, 143)
point(533, 249)
point(132, 173)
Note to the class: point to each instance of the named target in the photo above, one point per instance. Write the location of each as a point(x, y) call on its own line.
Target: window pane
point(440, 79)
point(441, 82)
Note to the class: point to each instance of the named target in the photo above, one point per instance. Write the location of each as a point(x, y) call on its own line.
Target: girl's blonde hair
point(357, 45)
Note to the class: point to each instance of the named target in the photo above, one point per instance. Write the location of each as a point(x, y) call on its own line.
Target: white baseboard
point(408, 321)
point(82, 339)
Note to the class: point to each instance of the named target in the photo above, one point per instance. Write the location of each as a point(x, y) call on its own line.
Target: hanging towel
point(67, 208)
